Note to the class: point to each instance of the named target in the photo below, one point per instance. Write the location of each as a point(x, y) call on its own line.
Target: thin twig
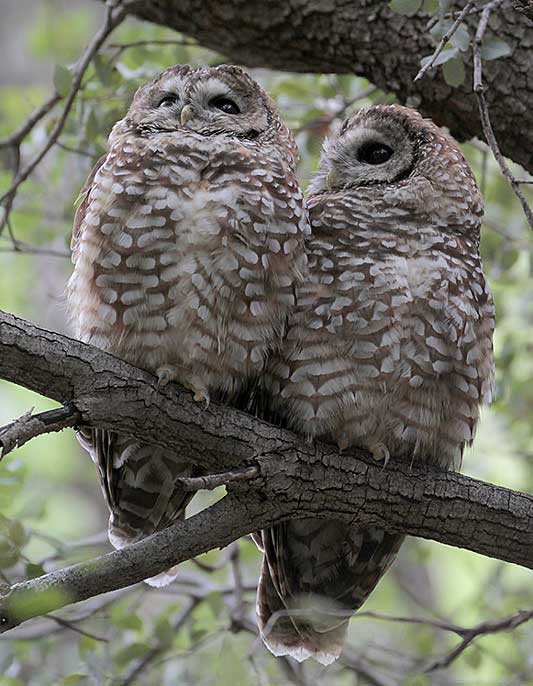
point(161, 646)
point(211, 481)
point(114, 16)
point(70, 625)
point(239, 610)
point(148, 43)
point(21, 248)
point(328, 118)
point(486, 124)
point(15, 138)
point(76, 151)
point(31, 425)
point(444, 40)
point(483, 629)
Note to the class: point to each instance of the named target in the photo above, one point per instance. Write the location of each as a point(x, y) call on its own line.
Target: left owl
point(187, 247)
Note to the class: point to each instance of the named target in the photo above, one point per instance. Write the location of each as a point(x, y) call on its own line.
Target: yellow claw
point(380, 452)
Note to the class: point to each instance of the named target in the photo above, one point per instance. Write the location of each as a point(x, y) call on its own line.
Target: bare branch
point(486, 124)
point(444, 40)
point(18, 136)
point(483, 629)
point(211, 481)
point(29, 426)
point(161, 646)
point(386, 49)
point(114, 16)
point(290, 477)
point(217, 526)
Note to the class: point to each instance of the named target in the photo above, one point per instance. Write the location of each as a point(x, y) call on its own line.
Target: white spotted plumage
point(389, 348)
point(178, 261)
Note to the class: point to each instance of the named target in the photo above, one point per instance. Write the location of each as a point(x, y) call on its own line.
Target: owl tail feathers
point(284, 633)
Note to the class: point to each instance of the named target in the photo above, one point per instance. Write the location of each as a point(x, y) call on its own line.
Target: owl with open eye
point(389, 349)
point(187, 247)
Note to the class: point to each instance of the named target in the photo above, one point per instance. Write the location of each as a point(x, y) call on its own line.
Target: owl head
point(210, 101)
point(394, 152)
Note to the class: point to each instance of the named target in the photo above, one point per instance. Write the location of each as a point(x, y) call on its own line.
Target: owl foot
point(201, 394)
point(166, 374)
point(380, 452)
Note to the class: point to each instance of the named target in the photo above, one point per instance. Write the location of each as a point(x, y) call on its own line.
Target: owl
point(187, 248)
point(389, 349)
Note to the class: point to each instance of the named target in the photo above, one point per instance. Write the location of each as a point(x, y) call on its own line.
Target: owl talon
point(381, 453)
point(201, 396)
point(165, 375)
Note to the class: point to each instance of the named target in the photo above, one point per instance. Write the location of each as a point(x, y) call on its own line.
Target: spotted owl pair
point(364, 318)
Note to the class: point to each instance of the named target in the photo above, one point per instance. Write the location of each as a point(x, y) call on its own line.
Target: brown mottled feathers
point(187, 247)
point(389, 349)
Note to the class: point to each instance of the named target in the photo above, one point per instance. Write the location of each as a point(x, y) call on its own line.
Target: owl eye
point(168, 100)
point(225, 105)
point(374, 153)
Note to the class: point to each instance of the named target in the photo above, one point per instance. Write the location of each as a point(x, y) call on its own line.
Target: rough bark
point(368, 39)
point(295, 478)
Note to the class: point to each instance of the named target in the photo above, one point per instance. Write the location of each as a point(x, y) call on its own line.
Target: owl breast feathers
point(187, 248)
point(389, 348)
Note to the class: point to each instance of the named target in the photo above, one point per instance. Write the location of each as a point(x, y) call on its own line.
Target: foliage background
point(49, 496)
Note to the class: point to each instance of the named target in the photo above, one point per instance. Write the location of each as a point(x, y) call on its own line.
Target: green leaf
point(430, 6)
point(87, 645)
point(454, 72)
point(164, 631)
point(122, 618)
point(62, 79)
point(460, 38)
point(91, 126)
point(445, 56)
point(493, 48)
point(104, 70)
point(131, 652)
point(215, 601)
point(33, 571)
point(405, 7)
point(73, 679)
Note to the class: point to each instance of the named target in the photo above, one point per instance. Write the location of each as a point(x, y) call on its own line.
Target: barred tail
point(316, 574)
point(139, 482)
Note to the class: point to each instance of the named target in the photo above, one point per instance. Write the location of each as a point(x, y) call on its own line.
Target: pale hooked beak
point(187, 113)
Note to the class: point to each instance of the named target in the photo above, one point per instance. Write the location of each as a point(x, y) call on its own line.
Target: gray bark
point(295, 478)
point(368, 39)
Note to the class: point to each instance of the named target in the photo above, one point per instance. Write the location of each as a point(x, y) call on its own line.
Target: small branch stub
point(211, 481)
point(29, 426)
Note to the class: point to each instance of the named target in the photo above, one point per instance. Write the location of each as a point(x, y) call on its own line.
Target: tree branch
point(294, 478)
point(368, 39)
point(29, 426)
point(114, 16)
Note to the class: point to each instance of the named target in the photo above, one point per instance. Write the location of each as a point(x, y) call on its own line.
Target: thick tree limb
point(370, 40)
point(294, 479)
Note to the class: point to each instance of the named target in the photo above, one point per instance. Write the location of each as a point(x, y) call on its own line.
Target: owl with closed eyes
point(187, 248)
point(389, 349)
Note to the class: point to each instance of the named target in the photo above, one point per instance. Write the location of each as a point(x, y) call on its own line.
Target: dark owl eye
point(225, 105)
point(374, 153)
point(168, 100)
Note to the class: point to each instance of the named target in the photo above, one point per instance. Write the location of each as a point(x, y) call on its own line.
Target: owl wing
point(139, 481)
point(82, 201)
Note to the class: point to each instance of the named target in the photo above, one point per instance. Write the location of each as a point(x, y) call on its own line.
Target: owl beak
point(187, 113)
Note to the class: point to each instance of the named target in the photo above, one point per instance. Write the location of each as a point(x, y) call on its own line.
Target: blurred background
point(52, 511)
